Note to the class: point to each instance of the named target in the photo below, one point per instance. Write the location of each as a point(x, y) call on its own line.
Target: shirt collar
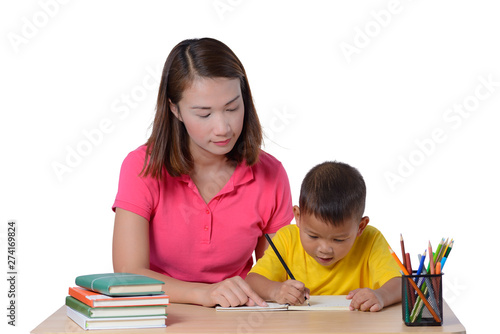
point(241, 175)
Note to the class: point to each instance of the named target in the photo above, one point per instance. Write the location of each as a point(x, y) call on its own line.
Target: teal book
point(120, 284)
point(115, 312)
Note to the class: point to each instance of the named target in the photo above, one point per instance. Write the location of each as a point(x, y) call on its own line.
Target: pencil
point(421, 265)
point(281, 260)
point(438, 268)
point(438, 249)
point(421, 295)
point(449, 248)
point(431, 259)
point(403, 249)
point(442, 250)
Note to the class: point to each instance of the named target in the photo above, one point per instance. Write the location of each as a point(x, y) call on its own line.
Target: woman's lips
point(222, 143)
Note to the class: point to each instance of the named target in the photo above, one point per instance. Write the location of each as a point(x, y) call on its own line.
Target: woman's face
point(212, 111)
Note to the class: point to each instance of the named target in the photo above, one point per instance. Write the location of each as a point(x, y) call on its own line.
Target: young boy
point(330, 250)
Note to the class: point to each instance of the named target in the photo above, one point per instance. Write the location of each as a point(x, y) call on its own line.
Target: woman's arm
point(262, 245)
point(131, 254)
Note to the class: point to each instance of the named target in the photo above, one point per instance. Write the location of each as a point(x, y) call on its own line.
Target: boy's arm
point(391, 291)
point(289, 292)
point(375, 300)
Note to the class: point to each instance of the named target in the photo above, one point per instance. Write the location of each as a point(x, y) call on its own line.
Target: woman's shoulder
point(134, 160)
point(268, 159)
point(137, 154)
point(267, 162)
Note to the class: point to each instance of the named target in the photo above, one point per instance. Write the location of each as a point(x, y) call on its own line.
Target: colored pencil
point(426, 302)
point(438, 249)
point(408, 263)
point(442, 250)
point(449, 248)
point(403, 249)
point(432, 269)
point(421, 265)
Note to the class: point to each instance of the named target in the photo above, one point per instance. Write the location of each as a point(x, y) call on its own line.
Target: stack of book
point(117, 301)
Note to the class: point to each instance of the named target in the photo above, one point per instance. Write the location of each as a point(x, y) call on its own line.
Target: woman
point(194, 202)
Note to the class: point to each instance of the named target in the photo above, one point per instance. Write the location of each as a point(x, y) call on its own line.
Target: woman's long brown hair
point(168, 145)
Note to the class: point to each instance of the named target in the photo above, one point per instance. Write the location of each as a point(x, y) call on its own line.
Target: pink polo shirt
point(198, 242)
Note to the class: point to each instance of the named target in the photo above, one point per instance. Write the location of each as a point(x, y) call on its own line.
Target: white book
point(115, 323)
point(318, 303)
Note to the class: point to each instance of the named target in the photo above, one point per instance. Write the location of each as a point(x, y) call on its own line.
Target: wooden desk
point(197, 319)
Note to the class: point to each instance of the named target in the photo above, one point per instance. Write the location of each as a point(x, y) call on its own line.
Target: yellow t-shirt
point(368, 264)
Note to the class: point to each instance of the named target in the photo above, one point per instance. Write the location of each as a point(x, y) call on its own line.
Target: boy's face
point(326, 243)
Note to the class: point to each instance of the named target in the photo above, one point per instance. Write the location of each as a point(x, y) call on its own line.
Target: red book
point(94, 299)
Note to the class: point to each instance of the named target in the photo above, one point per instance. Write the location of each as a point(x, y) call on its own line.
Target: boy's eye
point(339, 240)
point(312, 236)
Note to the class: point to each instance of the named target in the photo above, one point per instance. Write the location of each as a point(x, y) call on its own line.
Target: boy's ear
point(362, 225)
point(296, 214)
point(174, 110)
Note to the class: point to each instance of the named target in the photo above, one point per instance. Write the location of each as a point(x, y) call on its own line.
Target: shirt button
point(207, 212)
point(206, 228)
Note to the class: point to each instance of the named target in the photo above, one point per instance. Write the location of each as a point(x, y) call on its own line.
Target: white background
point(69, 66)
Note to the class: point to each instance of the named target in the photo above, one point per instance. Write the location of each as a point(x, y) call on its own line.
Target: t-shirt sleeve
point(382, 264)
point(135, 192)
point(283, 210)
point(269, 265)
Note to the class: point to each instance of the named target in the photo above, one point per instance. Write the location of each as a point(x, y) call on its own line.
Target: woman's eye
point(204, 116)
point(233, 109)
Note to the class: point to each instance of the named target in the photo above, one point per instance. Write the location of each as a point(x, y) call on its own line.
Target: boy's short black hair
point(333, 192)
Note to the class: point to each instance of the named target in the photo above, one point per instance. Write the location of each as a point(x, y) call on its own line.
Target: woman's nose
point(221, 126)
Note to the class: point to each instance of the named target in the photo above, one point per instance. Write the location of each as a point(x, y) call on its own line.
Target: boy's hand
point(365, 300)
point(291, 292)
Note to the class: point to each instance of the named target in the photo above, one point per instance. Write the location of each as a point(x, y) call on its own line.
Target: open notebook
point(318, 303)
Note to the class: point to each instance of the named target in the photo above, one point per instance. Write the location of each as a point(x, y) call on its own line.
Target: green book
point(115, 312)
point(120, 284)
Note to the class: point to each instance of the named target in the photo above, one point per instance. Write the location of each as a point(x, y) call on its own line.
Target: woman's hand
point(233, 291)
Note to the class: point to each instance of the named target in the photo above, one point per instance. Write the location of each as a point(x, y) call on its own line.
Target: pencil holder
point(423, 307)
